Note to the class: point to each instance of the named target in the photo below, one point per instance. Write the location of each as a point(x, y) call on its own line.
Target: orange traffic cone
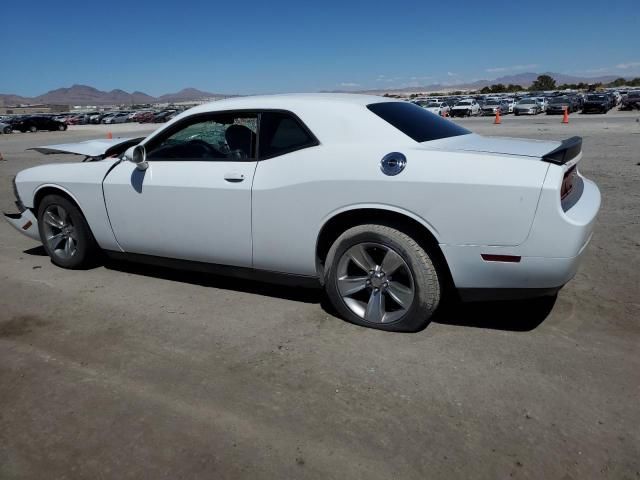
point(1, 159)
point(497, 121)
point(109, 135)
point(565, 118)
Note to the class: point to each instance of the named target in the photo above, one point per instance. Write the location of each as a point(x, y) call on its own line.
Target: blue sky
point(278, 46)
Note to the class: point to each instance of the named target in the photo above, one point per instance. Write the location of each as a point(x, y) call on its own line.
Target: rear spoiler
point(567, 151)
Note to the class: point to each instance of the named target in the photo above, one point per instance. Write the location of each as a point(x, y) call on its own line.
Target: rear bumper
point(548, 259)
point(25, 223)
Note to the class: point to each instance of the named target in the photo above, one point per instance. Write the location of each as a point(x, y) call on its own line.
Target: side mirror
point(137, 155)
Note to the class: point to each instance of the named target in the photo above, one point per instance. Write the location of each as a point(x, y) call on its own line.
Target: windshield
point(492, 102)
point(433, 104)
point(526, 101)
point(559, 100)
point(595, 97)
point(415, 122)
point(464, 102)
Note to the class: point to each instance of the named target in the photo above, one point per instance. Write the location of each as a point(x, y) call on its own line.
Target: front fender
point(82, 182)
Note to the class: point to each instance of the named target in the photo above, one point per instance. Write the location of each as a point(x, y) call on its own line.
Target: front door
point(194, 200)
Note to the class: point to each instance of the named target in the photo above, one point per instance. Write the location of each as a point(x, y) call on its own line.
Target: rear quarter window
point(416, 122)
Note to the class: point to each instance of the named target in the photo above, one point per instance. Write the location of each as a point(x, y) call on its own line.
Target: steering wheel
point(209, 149)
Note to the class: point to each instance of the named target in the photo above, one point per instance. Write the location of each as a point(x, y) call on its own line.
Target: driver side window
point(219, 137)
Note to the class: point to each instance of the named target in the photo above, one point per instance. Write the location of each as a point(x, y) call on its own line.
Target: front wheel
point(7, 130)
point(379, 277)
point(33, 129)
point(64, 233)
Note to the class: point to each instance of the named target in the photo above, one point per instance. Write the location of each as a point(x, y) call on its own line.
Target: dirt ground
point(125, 371)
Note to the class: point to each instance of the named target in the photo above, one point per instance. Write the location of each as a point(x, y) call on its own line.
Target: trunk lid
point(522, 147)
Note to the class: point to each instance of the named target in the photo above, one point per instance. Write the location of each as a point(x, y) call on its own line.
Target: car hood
point(523, 147)
point(103, 147)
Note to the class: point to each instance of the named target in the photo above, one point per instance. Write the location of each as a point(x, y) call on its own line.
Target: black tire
point(7, 130)
point(425, 281)
point(86, 247)
point(62, 127)
point(33, 129)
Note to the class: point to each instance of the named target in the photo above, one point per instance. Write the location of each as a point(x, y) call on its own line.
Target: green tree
point(543, 82)
point(618, 82)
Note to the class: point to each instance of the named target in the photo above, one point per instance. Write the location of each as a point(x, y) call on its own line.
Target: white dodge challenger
point(383, 203)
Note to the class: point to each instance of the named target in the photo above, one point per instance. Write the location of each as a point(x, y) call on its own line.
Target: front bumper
point(25, 223)
point(594, 108)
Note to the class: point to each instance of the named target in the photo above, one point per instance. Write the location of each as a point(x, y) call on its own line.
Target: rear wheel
point(33, 129)
point(379, 277)
point(64, 232)
point(62, 127)
point(7, 130)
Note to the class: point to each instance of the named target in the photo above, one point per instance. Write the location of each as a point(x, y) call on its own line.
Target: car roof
point(290, 101)
point(332, 117)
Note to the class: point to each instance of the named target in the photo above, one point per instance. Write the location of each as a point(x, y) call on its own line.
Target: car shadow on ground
point(36, 251)
point(513, 315)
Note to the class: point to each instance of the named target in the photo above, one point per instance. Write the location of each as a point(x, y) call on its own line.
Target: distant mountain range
point(86, 95)
point(523, 79)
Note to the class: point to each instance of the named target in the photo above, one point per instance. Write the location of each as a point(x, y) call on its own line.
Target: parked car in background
point(438, 107)
point(557, 105)
point(466, 108)
point(596, 102)
point(120, 117)
point(137, 116)
point(511, 102)
point(543, 102)
point(493, 105)
point(96, 118)
point(631, 101)
point(146, 117)
point(246, 180)
point(162, 116)
point(5, 128)
point(527, 106)
point(34, 123)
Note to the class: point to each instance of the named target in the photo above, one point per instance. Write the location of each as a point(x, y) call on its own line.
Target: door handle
point(233, 177)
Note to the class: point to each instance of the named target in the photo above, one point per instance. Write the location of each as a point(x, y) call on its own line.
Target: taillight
point(567, 182)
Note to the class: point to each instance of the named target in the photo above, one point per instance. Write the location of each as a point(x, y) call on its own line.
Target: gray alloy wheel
point(379, 277)
point(65, 234)
point(7, 130)
point(388, 283)
point(59, 232)
point(33, 129)
point(61, 128)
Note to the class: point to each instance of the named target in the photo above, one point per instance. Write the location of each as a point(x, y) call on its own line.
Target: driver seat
point(241, 138)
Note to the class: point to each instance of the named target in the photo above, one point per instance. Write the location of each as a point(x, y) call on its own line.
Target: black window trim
point(163, 135)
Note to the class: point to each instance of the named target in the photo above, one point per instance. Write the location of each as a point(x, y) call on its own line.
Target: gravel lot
point(126, 371)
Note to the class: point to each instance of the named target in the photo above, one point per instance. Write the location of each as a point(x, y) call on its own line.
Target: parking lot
point(141, 372)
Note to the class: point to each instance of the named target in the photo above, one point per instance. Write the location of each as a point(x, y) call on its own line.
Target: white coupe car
point(380, 201)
